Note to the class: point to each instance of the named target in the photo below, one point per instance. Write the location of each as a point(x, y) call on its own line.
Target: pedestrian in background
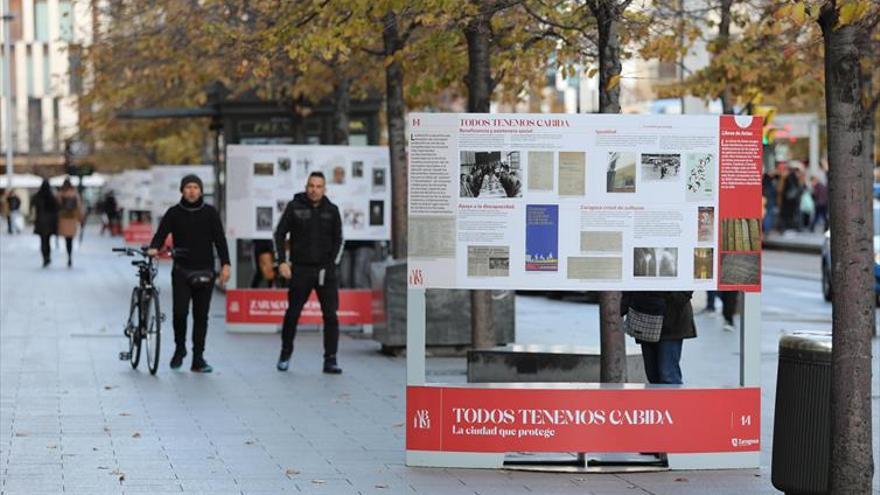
point(197, 231)
point(662, 358)
point(820, 197)
point(13, 203)
point(70, 215)
point(315, 229)
point(791, 199)
point(768, 187)
point(44, 206)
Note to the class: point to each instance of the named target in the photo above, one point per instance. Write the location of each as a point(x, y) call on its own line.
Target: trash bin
point(802, 425)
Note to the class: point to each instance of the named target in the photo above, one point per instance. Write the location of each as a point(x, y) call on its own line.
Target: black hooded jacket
point(315, 232)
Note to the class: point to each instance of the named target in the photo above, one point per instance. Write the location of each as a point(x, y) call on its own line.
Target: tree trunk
point(479, 83)
point(341, 109)
point(852, 276)
point(395, 108)
point(723, 41)
point(612, 341)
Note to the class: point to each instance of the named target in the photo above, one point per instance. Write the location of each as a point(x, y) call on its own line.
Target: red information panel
point(739, 204)
point(674, 420)
point(138, 233)
point(268, 306)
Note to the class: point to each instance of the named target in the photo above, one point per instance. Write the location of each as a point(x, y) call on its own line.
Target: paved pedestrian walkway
point(75, 419)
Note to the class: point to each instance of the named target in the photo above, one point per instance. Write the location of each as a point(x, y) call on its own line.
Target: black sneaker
point(199, 365)
point(283, 362)
point(177, 358)
point(330, 366)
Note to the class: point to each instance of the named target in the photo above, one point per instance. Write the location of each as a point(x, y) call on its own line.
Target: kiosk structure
point(260, 180)
point(584, 202)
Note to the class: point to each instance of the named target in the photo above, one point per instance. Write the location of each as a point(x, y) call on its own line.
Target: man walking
point(315, 229)
point(197, 231)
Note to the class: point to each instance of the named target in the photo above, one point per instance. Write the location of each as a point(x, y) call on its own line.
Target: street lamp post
point(7, 90)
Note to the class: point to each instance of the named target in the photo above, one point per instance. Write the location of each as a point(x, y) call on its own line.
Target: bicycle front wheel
point(134, 330)
point(152, 322)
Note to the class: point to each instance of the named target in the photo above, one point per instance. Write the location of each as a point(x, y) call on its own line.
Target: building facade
point(47, 38)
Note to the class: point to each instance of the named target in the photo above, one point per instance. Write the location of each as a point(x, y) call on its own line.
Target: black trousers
point(305, 278)
point(68, 243)
point(45, 248)
point(729, 301)
point(182, 295)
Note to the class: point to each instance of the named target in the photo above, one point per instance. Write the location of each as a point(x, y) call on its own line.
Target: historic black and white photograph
point(377, 212)
point(264, 218)
point(357, 169)
point(490, 174)
point(284, 164)
point(661, 167)
point(378, 180)
point(655, 262)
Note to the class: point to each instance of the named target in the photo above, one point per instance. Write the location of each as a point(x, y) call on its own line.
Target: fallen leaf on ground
point(291, 472)
point(125, 414)
point(51, 446)
point(103, 467)
point(381, 486)
point(318, 482)
point(109, 387)
point(249, 442)
point(136, 435)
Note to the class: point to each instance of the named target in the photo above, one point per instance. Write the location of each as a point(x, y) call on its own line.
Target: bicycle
point(144, 315)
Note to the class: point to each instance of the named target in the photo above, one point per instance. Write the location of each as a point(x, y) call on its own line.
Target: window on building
point(41, 20)
point(56, 124)
point(15, 24)
point(35, 125)
point(29, 70)
point(65, 12)
point(667, 70)
point(11, 70)
point(47, 73)
point(74, 61)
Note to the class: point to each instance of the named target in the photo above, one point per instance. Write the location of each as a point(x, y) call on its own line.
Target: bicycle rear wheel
point(152, 321)
point(134, 331)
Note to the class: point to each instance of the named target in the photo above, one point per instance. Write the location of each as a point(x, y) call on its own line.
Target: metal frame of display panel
point(749, 376)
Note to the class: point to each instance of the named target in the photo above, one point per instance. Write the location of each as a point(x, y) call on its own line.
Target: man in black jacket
point(197, 230)
point(315, 229)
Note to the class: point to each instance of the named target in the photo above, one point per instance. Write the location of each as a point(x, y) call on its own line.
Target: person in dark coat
point(315, 228)
point(197, 231)
point(662, 358)
point(44, 205)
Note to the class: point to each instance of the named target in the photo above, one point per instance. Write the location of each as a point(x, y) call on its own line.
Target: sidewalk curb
point(793, 274)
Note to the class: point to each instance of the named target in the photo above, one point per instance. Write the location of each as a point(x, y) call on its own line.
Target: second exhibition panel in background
point(261, 179)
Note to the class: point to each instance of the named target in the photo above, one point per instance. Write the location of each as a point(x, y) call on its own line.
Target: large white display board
point(261, 179)
point(132, 189)
point(165, 185)
point(584, 202)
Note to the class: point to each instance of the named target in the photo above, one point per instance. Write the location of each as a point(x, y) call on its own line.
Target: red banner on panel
point(674, 420)
point(268, 306)
point(138, 233)
point(739, 203)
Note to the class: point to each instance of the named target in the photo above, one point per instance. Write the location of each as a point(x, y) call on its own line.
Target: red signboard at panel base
point(138, 233)
point(268, 306)
point(672, 420)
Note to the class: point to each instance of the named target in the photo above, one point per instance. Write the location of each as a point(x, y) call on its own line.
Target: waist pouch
point(197, 279)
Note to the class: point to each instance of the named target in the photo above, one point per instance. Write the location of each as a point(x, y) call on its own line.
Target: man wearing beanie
point(197, 231)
